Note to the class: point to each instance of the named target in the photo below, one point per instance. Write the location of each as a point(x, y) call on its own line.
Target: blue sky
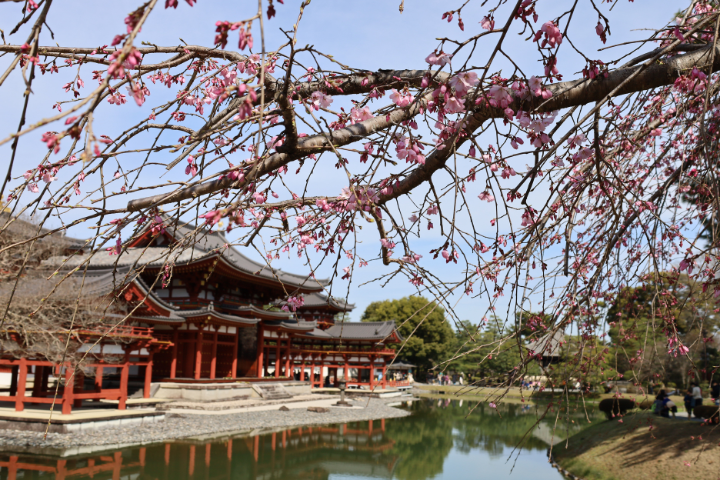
point(367, 34)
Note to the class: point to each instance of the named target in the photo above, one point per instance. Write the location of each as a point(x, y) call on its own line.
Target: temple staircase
point(271, 391)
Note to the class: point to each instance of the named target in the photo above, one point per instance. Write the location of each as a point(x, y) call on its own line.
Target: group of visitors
point(693, 397)
point(445, 379)
point(528, 385)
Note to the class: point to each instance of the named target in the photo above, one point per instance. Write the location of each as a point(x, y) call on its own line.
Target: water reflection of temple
point(358, 449)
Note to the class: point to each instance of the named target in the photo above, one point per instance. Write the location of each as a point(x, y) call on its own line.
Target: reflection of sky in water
point(439, 441)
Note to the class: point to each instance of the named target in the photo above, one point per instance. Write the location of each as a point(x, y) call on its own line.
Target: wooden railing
point(398, 383)
point(117, 331)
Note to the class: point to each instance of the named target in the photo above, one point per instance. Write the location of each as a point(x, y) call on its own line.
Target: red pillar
point(384, 379)
point(256, 447)
point(260, 351)
point(213, 358)
point(67, 400)
point(22, 379)
point(288, 372)
point(124, 372)
point(345, 368)
point(173, 363)
point(191, 467)
point(167, 454)
point(12, 468)
point(229, 449)
point(148, 376)
point(372, 374)
point(61, 470)
point(233, 370)
point(207, 454)
point(322, 372)
point(277, 356)
point(117, 465)
point(302, 370)
point(142, 456)
point(198, 354)
point(98, 377)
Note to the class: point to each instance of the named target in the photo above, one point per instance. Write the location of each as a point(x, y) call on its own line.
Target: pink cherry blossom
point(440, 59)
point(453, 105)
point(486, 196)
point(400, 99)
point(360, 114)
point(487, 23)
point(320, 100)
point(322, 204)
point(212, 217)
point(117, 249)
point(553, 37)
point(500, 96)
point(463, 82)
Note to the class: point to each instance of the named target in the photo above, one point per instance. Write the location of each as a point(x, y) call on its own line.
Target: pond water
point(442, 440)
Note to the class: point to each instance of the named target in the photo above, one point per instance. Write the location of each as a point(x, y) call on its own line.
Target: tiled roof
point(363, 330)
point(292, 325)
point(400, 366)
point(317, 299)
point(27, 229)
point(216, 241)
point(549, 345)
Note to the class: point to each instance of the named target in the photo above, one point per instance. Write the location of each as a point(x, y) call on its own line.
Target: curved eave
point(211, 241)
point(220, 319)
point(292, 327)
point(157, 303)
point(260, 313)
point(157, 320)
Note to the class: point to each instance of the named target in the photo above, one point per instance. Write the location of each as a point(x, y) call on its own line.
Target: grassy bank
point(514, 395)
point(642, 446)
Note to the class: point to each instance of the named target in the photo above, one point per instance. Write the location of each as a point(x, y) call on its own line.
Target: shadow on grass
point(632, 446)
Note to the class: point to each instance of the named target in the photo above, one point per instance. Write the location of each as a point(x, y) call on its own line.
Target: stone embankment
point(188, 425)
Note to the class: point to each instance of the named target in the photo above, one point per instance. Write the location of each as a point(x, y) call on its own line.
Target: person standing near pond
point(688, 400)
point(715, 392)
point(697, 395)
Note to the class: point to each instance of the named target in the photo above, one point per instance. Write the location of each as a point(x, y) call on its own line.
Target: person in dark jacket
point(688, 400)
point(715, 391)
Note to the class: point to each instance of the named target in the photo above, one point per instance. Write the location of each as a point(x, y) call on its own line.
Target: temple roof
point(318, 299)
point(364, 331)
point(549, 345)
point(400, 366)
point(102, 282)
point(26, 229)
point(206, 242)
point(157, 257)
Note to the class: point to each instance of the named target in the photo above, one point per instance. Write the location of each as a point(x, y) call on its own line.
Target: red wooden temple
point(213, 316)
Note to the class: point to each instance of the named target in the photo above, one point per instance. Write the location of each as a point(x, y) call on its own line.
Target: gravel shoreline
point(188, 426)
